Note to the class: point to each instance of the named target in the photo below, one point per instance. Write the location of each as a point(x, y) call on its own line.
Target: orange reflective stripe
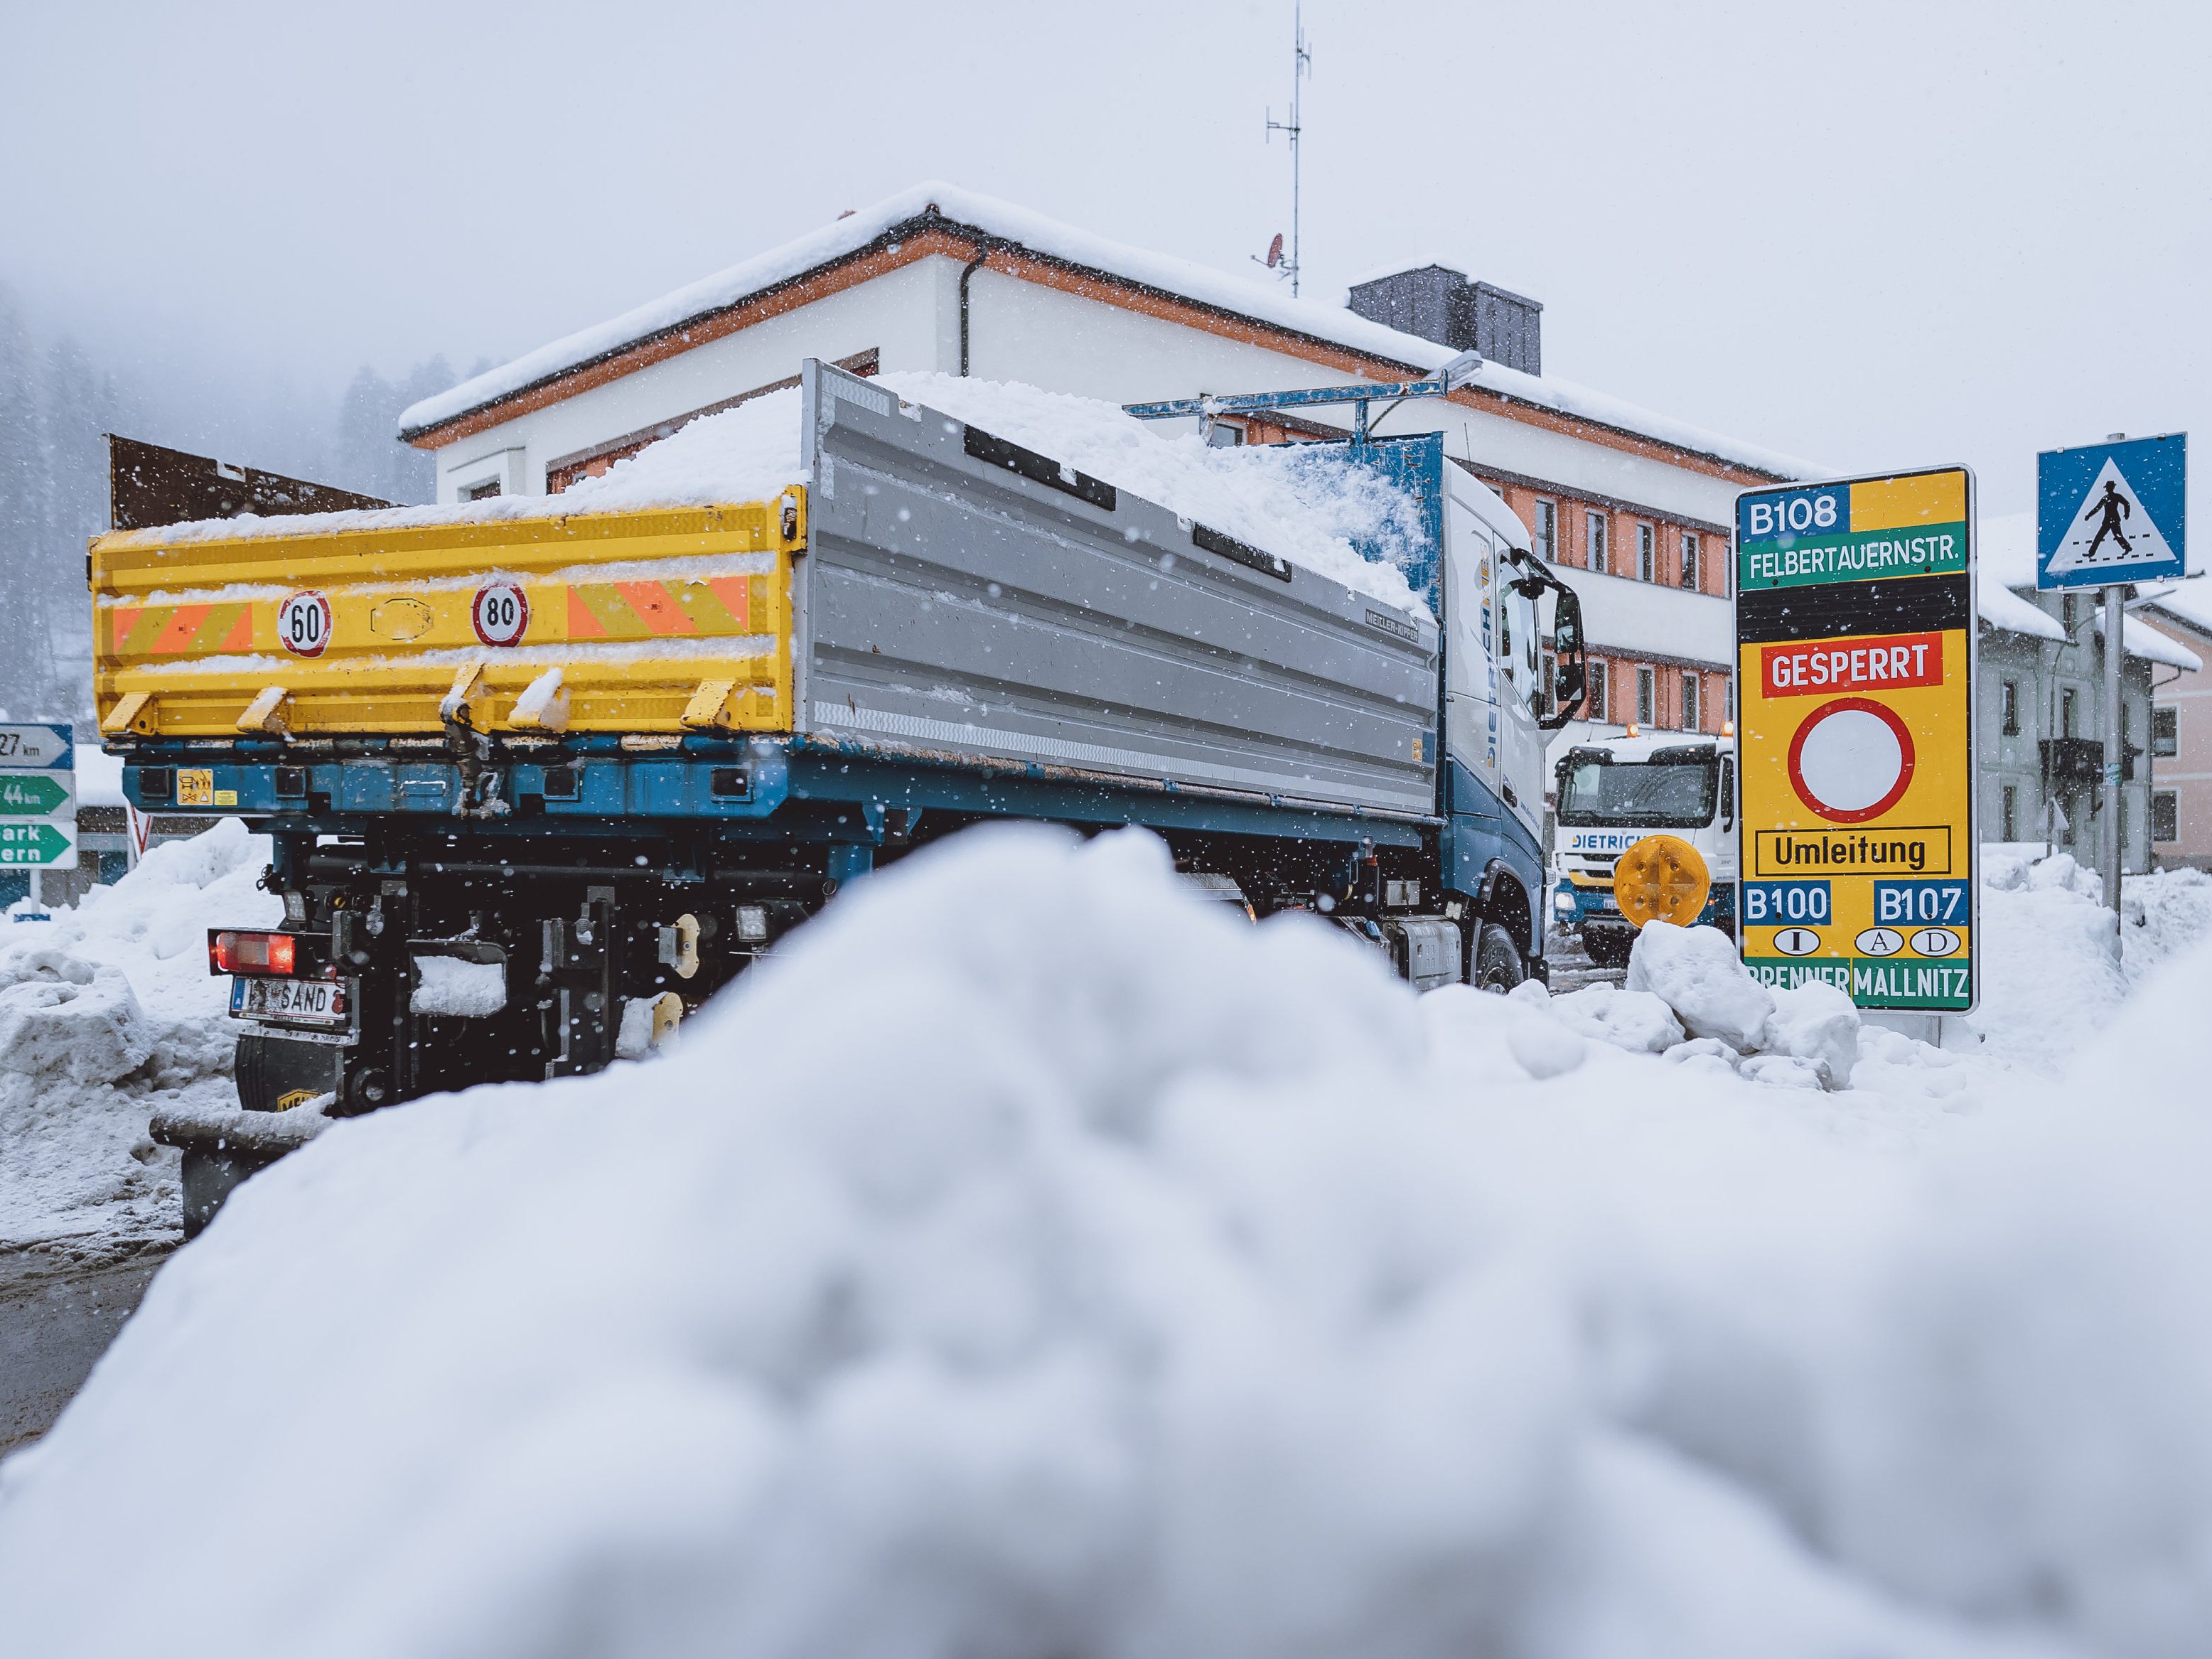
point(656, 608)
point(120, 622)
point(181, 629)
point(241, 637)
point(736, 594)
point(582, 625)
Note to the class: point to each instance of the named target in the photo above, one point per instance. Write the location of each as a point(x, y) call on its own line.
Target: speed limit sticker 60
point(303, 623)
point(501, 613)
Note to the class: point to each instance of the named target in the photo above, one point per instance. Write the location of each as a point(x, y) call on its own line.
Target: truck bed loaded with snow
point(543, 772)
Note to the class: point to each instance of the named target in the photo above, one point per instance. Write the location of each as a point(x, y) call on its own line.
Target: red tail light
point(271, 954)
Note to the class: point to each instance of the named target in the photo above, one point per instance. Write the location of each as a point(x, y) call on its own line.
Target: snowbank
point(1033, 1259)
point(109, 1014)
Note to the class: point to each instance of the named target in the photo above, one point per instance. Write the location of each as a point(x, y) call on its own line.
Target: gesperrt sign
point(1855, 661)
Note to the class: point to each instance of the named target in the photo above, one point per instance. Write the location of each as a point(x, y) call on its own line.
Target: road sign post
point(1855, 663)
point(2109, 515)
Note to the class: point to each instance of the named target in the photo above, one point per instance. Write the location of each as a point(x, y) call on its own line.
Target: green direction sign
point(34, 843)
point(1864, 530)
point(31, 794)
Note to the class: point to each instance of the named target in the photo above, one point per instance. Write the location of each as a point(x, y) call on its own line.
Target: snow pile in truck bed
point(1295, 502)
point(107, 1013)
point(1298, 501)
point(1033, 1259)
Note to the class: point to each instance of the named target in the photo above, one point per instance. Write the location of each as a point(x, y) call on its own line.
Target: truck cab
point(1611, 793)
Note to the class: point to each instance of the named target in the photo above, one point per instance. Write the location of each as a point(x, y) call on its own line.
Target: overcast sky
point(1870, 235)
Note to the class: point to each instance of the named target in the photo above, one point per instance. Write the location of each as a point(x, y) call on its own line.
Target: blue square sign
point(2112, 512)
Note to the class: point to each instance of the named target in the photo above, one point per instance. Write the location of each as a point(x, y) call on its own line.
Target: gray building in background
point(2039, 708)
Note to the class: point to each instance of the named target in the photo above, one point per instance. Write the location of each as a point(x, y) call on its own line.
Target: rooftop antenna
point(1301, 67)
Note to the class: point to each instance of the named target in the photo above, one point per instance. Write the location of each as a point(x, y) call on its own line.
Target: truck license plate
point(314, 1001)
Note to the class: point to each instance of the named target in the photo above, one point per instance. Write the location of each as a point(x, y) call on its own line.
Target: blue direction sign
point(2112, 512)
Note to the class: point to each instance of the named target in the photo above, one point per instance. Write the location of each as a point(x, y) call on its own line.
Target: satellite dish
point(1275, 251)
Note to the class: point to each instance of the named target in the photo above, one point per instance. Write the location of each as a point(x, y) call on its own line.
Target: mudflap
point(276, 1073)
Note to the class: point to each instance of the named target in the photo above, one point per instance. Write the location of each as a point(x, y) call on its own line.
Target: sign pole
point(2111, 848)
point(2108, 515)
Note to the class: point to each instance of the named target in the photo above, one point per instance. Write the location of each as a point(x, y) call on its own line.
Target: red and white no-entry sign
point(501, 613)
point(1851, 760)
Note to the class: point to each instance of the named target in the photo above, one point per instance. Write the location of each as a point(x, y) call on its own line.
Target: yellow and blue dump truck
point(538, 784)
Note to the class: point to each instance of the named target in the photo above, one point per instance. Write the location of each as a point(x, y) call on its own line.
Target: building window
point(1647, 540)
point(1594, 701)
point(2011, 814)
point(2165, 816)
point(1689, 560)
point(1690, 720)
point(1547, 531)
point(1647, 695)
point(2066, 613)
point(480, 492)
point(2166, 734)
point(2011, 712)
point(2066, 708)
point(1593, 527)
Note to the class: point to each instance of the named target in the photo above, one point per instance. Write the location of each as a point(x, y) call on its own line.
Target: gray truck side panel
point(949, 605)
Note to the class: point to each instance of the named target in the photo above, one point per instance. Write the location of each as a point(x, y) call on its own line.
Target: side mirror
point(1571, 679)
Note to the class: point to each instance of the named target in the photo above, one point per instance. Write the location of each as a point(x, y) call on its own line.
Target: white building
point(1633, 506)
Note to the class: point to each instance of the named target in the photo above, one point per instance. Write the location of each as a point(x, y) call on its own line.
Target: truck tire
point(1496, 960)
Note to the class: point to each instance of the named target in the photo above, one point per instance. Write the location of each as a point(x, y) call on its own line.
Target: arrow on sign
point(31, 794)
point(32, 843)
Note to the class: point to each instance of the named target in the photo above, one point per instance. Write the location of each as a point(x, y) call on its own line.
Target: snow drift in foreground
point(1032, 1260)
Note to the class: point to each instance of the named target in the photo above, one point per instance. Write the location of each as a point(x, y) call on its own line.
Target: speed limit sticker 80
point(303, 623)
point(501, 613)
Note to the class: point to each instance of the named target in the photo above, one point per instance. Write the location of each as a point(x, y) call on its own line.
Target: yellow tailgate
point(659, 621)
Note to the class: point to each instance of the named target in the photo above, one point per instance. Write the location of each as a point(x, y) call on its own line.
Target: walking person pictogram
point(2115, 506)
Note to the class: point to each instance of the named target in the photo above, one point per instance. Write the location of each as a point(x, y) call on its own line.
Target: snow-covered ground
point(1033, 1259)
point(106, 1013)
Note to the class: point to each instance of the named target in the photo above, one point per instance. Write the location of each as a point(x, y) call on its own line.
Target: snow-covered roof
point(2145, 641)
point(2187, 602)
point(949, 208)
point(2006, 550)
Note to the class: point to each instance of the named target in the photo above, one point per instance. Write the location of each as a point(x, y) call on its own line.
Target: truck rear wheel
point(1496, 960)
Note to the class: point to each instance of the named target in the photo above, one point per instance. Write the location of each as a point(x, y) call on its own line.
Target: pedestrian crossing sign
point(2112, 512)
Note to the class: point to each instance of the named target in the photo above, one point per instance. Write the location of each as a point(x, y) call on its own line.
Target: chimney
point(1439, 304)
